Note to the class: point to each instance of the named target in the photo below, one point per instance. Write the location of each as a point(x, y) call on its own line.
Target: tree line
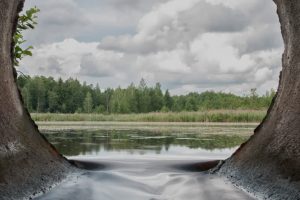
point(45, 94)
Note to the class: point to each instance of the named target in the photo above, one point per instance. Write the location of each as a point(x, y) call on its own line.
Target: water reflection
point(75, 143)
point(143, 165)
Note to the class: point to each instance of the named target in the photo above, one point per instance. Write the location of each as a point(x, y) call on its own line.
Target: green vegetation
point(26, 21)
point(200, 116)
point(46, 95)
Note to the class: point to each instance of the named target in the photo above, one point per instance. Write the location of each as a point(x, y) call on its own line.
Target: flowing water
point(139, 164)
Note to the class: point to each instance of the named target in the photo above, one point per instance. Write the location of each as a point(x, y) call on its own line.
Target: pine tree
point(53, 101)
point(168, 100)
point(88, 103)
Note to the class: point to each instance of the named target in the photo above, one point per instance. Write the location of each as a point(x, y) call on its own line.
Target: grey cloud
point(51, 66)
point(85, 20)
point(263, 37)
point(263, 12)
point(54, 65)
point(56, 21)
point(202, 18)
point(205, 17)
point(90, 66)
point(265, 33)
point(134, 4)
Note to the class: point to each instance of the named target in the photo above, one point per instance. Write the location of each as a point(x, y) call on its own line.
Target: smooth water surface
point(142, 143)
point(144, 165)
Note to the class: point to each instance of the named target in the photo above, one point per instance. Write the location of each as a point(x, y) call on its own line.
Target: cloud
point(56, 20)
point(263, 74)
point(130, 5)
point(86, 21)
point(71, 58)
point(99, 64)
point(65, 56)
point(192, 45)
point(176, 22)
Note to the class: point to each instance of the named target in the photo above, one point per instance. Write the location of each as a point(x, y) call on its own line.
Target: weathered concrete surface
point(268, 165)
point(28, 163)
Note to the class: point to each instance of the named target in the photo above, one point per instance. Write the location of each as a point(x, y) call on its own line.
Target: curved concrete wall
point(28, 163)
point(268, 165)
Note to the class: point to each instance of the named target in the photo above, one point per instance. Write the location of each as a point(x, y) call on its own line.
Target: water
point(144, 165)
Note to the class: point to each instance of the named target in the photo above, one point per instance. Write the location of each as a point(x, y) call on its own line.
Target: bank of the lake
point(206, 128)
point(200, 116)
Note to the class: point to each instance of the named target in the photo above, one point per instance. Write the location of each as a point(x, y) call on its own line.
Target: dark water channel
point(144, 165)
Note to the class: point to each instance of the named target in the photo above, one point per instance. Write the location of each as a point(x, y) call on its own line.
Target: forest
point(47, 95)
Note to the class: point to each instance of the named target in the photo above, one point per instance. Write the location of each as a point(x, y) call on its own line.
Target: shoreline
point(228, 116)
point(148, 123)
point(216, 128)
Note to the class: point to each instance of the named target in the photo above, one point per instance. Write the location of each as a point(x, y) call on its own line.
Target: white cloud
point(215, 49)
point(165, 61)
point(66, 55)
point(261, 75)
point(175, 22)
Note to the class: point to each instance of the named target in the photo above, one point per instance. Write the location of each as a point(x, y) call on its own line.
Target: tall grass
point(203, 116)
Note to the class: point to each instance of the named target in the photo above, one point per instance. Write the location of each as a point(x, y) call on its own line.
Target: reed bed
point(246, 116)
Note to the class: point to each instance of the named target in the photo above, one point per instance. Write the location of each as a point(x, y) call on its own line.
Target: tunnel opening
point(72, 42)
point(270, 157)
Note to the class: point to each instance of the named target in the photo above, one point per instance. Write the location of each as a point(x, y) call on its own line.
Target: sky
point(186, 45)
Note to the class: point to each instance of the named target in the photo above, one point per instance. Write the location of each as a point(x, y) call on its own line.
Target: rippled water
point(144, 165)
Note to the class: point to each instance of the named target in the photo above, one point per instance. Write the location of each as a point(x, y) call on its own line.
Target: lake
point(152, 161)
